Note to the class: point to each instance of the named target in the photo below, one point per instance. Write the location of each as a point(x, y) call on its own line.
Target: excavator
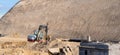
point(40, 35)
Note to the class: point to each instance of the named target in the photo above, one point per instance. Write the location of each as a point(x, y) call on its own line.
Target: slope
point(66, 18)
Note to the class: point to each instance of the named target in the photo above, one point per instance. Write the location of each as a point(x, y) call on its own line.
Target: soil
point(99, 19)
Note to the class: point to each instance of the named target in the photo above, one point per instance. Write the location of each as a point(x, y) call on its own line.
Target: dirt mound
point(66, 18)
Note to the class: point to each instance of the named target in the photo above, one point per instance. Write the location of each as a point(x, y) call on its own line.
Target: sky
point(6, 5)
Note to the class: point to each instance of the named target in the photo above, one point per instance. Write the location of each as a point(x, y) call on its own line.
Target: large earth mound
point(67, 18)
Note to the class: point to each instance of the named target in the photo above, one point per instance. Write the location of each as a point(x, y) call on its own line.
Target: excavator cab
point(40, 34)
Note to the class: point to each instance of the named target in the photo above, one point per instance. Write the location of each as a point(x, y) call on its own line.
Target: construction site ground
point(67, 19)
point(17, 46)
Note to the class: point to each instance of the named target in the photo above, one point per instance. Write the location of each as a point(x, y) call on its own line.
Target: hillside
point(67, 18)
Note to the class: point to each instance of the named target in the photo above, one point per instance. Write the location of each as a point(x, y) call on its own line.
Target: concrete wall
point(93, 48)
point(86, 51)
point(114, 49)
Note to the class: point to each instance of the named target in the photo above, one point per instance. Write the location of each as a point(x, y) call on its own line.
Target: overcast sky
point(6, 5)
